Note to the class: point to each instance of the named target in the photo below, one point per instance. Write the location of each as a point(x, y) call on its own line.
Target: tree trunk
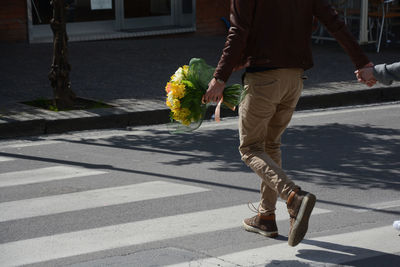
point(60, 68)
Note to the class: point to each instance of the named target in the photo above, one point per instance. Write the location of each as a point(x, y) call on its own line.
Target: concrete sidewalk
point(131, 76)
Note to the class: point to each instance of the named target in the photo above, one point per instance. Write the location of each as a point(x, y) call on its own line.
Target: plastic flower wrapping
point(185, 91)
point(396, 225)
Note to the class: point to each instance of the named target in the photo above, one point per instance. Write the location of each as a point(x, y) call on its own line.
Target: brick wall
point(13, 20)
point(208, 16)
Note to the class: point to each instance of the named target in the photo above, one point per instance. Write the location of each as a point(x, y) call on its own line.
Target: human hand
point(214, 92)
point(366, 75)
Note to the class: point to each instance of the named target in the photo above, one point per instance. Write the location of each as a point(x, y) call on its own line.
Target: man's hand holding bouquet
point(185, 92)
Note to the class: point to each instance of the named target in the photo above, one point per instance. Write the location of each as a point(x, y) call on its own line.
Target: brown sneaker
point(262, 224)
point(300, 205)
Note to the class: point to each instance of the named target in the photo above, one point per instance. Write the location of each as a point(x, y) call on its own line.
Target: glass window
point(77, 10)
point(187, 7)
point(146, 8)
point(42, 12)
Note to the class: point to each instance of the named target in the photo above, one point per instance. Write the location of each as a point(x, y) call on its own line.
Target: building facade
point(28, 20)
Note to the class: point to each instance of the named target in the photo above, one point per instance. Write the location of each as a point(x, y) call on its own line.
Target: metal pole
point(364, 22)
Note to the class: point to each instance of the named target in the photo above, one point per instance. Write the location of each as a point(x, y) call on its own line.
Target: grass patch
point(79, 104)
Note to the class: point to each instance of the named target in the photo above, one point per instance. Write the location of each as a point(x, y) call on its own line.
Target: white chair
point(382, 12)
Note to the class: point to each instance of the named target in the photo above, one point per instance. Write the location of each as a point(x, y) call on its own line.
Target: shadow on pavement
point(346, 255)
point(333, 155)
point(342, 252)
point(337, 155)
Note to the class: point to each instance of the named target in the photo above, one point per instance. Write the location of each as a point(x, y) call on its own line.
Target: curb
point(348, 98)
point(132, 112)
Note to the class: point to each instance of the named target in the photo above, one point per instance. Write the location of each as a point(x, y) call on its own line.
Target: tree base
point(79, 104)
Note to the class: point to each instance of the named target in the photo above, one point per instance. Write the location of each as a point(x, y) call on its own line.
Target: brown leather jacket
point(277, 34)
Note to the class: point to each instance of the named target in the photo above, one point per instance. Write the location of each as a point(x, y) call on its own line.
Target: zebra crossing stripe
point(44, 175)
point(329, 250)
point(92, 199)
point(379, 206)
point(31, 143)
point(2, 159)
point(116, 236)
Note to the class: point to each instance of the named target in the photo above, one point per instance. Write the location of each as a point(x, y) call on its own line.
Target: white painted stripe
point(224, 122)
point(330, 250)
point(70, 137)
point(94, 135)
point(352, 109)
point(85, 136)
point(92, 199)
point(3, 159)
point(334, 249)
point(379, 206)
point(44, 175)
point(128, 133)
point(312, 113)
point(33, 143)
point(116, 236)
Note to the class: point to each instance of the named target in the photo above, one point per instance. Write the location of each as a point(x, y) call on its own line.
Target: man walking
point(272, 40)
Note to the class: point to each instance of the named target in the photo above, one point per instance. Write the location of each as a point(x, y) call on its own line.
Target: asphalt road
point(144, 197)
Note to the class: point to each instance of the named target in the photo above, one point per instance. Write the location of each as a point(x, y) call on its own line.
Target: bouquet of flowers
point(185, 91)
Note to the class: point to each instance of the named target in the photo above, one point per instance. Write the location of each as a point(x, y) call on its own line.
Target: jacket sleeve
point(337, 28)
point(386, 74)
point(241, 18)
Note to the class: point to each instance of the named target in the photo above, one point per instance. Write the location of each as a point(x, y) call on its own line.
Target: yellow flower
point(170, 100)
point(178, 90)
point(181, 114)
point(176, 103)
point(185, 70)
point(184, 112)
point(168, 87)
point(178, 76)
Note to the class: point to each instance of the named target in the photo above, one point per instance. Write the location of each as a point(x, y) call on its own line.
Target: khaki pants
point(264, 115)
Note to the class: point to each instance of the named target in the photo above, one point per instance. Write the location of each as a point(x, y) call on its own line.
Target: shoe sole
point(259, 231)
point(300, 226)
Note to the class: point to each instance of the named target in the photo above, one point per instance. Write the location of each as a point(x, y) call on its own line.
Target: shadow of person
point(342, 254)
point(288, 263)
